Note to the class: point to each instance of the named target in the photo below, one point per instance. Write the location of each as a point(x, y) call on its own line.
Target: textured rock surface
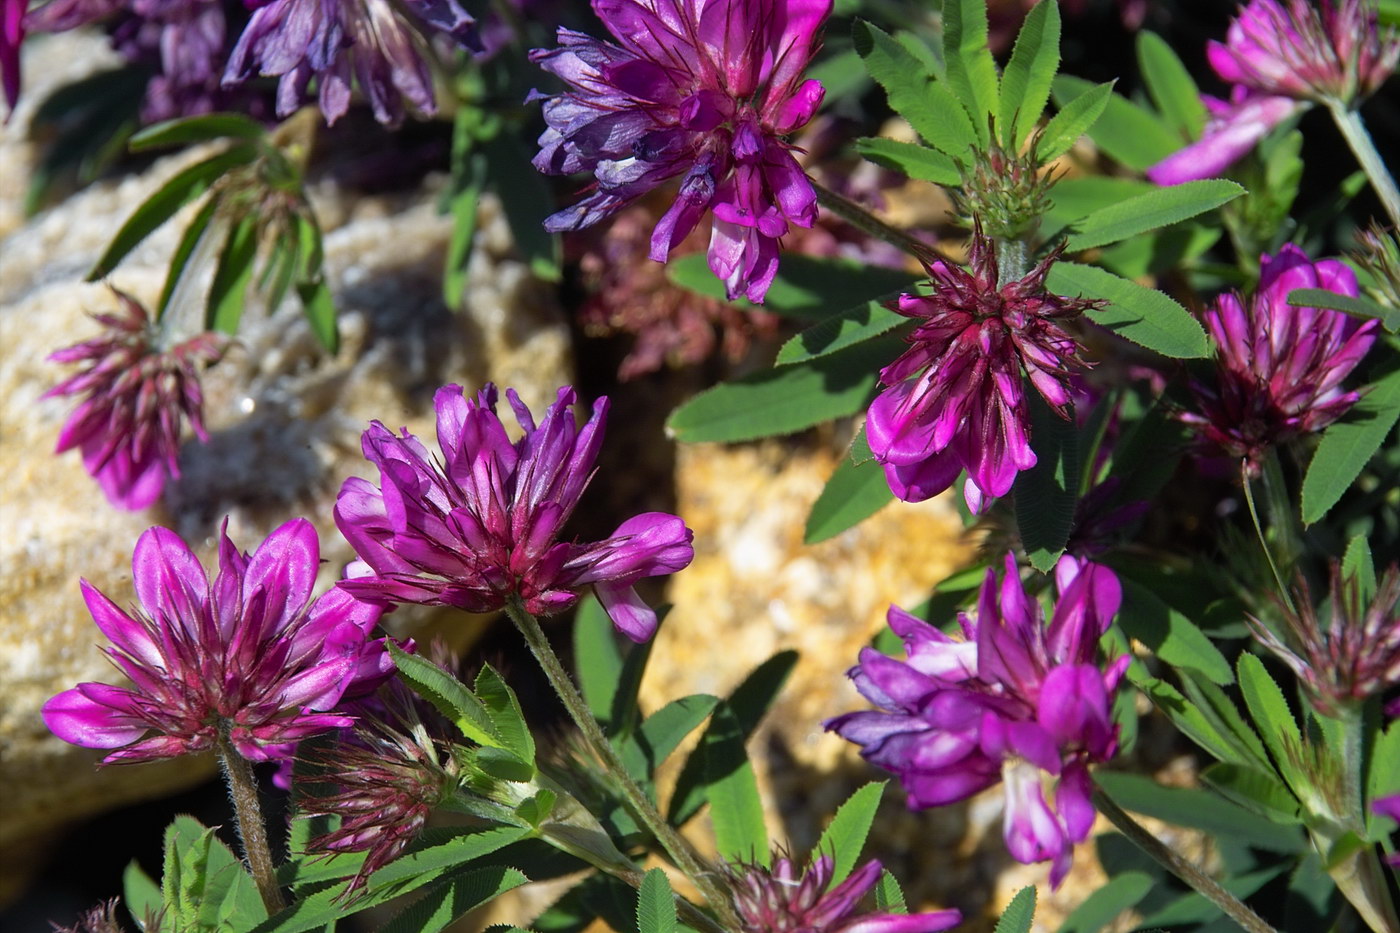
point(285, 420)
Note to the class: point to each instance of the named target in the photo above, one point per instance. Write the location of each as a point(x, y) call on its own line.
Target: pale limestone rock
point(284, 417)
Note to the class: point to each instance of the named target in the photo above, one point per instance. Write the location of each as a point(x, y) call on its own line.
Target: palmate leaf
point(1158, 207)
point(1025, 85)
point(1348, 445)
point(928, 104)
point(844, 837)
point(1134, 312)
point(1019, 913)
point(911, 159)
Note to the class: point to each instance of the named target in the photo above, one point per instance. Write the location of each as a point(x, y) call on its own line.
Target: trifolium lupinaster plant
point(1136, 337)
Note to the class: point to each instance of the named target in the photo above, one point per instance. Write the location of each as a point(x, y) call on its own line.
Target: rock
point(284, 417)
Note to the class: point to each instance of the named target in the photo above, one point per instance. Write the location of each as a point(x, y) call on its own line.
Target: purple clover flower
point(186, 39)
point(482, 524)
point(136, 398)
point(1280, 368)
point(1278, 57)
point(337, 42)
point(1356, 655)
point(1015, 701)
point(250, 656)
point(11, 37)
point(780, 900)
point(955, 399)
point(706, 91)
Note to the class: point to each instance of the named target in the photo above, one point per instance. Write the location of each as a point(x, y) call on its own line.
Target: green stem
point(1259, 531)
point(1013, 260)
point(1359, 876)
point(1183, 868)
point(860, 218)
point(1349, 121)
point(252, 832)
point(641, 805)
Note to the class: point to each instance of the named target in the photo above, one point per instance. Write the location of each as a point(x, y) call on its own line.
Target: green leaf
point(597, 658)
point(840, 331)
point(971, 71)
point(854, 492)
point(181, 189)
point(423, 866)
point(1194, 911)
point(319, 308)
point(929, 106)
point(468, 182)
point(1079, 197)
point(805, 287)
point(183, 873)
point(1103, 906)
point(1348, 445)
point(1019, 913)
point(1150, 210)
point(1271, 714)
point(844, 837)
point(1046, 493)
point(1025, 85)
point(1254, 790)
point(1383, 777)
point(458, 894)
point(1188, 717)
point(1076, 117)
point(656, 905)
point(748, 703)
point(889, 897)
point(1358, 565)
point(787, 399)
point(1169, 634)
point(507, 719)
point(1198, 809)
point(228, 292)
point(1134, 312)
point(1217, 706)
point(736, 809)
point(911, 159)
point(448, 695)
point(140, 893)
point(199, 228)
point(1130, 134)
point(661, 732)
point(526, 200)
point(197, 129)
point(1170, 85)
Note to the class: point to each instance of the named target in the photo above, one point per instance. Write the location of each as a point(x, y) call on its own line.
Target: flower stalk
point(642, 807)
point(252, 831)
point(866, 222)
point(1183, 868)
point(1353, 129)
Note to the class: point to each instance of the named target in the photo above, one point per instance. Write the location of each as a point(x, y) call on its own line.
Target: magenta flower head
point(1354, 656)
point(1277, 56)
point(136, 397)
point(251, 658)
point(11, 37)
point(1280, 368)
point(482, 525)
point(956, 399)
point(337, 42)
point(782, 900)
point(1015, 701)
point(707, 91)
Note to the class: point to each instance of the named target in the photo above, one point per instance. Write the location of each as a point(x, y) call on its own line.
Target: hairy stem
point(1013, 260)
point(1259, 531)
point(1183, 868)
point(860, 218)
point(252, 832)
point(1359, 876)
point(1349, 121)
point(639, 803)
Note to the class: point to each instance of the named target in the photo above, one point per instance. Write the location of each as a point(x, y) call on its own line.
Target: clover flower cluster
point(704, 91)
point(1015, 701)
point(1279, 56)
point(956, 399)
point(1279, 367)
